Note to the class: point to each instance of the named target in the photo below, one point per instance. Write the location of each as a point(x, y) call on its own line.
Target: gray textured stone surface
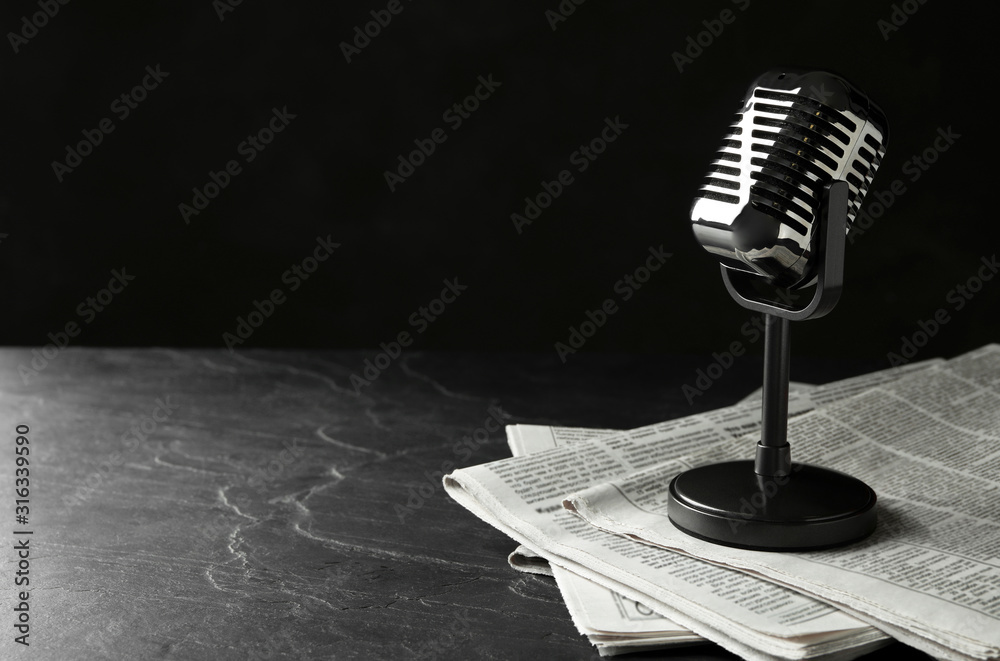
point(260, 516)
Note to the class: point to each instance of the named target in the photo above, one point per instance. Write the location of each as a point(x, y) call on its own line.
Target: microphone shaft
point(773, 452)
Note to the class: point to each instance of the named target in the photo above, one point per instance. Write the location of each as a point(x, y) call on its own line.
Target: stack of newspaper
point(589, 507)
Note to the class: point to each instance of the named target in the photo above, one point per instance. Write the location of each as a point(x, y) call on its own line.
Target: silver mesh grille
point(783, 149)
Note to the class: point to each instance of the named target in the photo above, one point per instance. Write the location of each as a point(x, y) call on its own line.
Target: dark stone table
point(198, 504)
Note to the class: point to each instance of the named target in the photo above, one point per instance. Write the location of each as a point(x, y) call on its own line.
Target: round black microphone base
point(812, 508)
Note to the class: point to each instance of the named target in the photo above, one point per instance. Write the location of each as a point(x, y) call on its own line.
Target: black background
point(324, 175)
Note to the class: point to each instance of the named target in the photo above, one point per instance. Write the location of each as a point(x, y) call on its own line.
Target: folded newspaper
point(613, 623)
point(927, 441)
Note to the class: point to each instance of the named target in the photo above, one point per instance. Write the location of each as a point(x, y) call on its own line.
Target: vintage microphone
point(775, 209)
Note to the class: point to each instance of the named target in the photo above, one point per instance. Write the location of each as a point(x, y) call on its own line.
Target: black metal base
point(812, 508)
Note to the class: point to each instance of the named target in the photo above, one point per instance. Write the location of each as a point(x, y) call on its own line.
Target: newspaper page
point(805, 628)
point(613, 623)
point(525, 439)
point(929, 445)
point(525, 560)
point(616, 624)
point(522, 497)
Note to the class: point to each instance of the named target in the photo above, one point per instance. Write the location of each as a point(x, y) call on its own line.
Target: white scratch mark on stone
point(404, 365)
point(295, 370)
point(215, 366)
point(347, 446)
point(374, 418)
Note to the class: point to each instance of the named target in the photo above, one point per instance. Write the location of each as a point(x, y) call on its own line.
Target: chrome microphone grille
point(795, 133)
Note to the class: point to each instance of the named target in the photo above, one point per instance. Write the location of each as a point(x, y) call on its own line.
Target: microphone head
point(797, 131)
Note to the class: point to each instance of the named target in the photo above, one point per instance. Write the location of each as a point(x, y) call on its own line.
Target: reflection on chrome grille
point(785, 146)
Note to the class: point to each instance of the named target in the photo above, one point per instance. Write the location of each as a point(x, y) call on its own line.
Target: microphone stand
point(773, 452)
point(770, 503)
